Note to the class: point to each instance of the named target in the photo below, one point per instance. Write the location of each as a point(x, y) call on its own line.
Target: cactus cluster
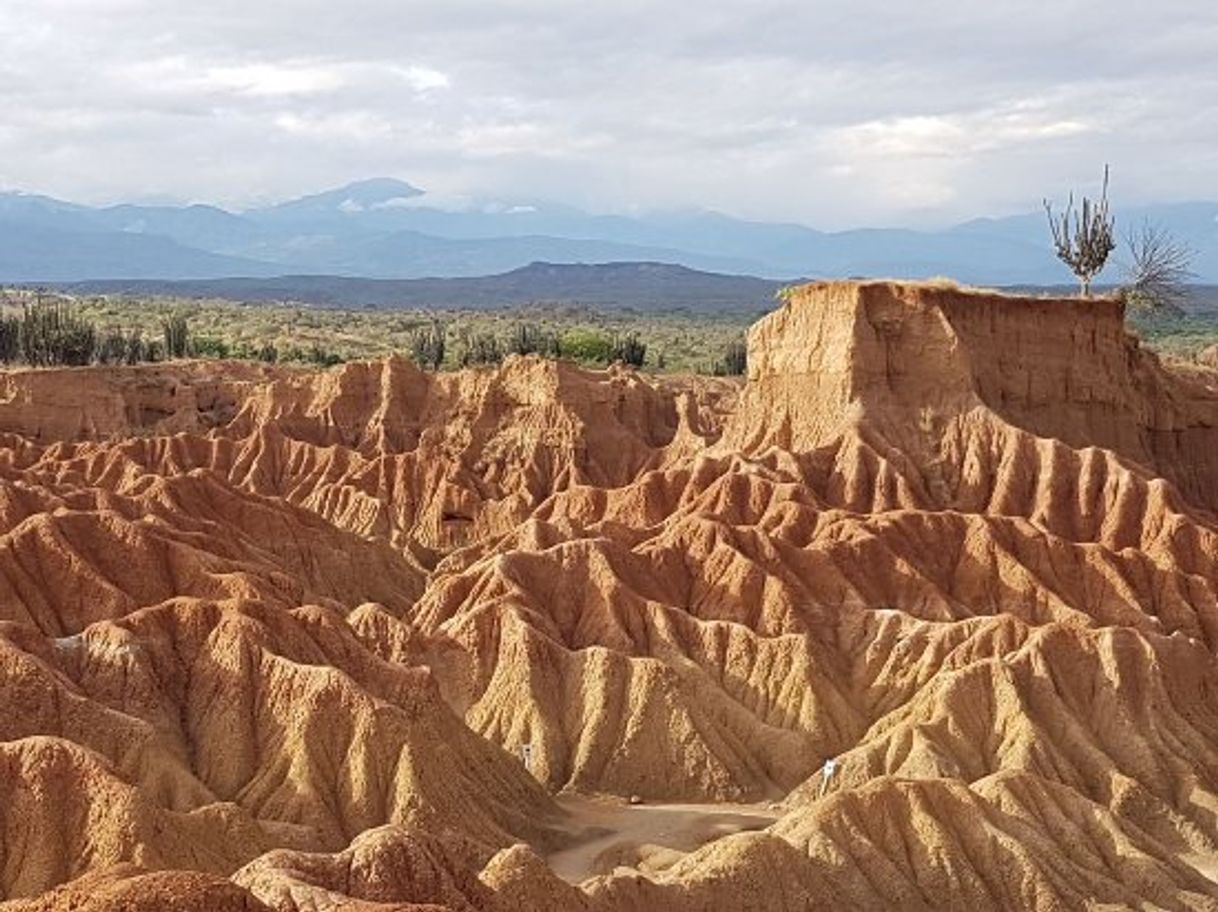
point(49, 332)
point(531, 339)
point(427, 346)
point(52, 333)
point(480, 348)
point(735, 360)
point(629, 349)
point(119, 347)
point(176, 329)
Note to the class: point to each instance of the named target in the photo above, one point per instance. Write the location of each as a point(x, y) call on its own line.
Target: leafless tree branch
point(1160, 269)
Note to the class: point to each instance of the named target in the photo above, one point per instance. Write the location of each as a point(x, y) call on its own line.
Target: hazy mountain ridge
point(388, 229)
point(642, 285)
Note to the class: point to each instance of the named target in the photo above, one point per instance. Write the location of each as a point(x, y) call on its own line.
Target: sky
point(832, 114)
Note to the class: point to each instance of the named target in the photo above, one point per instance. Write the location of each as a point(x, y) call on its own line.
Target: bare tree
point(1158, 275)
point(1084, 243)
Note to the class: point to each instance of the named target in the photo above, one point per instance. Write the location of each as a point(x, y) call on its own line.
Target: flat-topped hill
point(906, 359)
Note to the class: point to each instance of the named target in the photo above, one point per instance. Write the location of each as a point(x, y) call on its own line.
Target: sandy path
point(607, 833)
point(1205, 865)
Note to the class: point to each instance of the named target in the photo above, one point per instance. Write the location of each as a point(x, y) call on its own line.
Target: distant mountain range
point(388, 229)
point(643, 286)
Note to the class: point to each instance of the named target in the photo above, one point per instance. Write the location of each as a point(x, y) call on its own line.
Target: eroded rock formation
point(283, 640)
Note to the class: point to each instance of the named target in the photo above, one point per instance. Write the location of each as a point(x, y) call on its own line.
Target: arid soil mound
point(370, 639)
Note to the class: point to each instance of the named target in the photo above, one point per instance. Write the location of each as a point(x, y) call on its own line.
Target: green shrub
point(325, 358)
point(314, 354)
point(585, 345)
point(209, 347)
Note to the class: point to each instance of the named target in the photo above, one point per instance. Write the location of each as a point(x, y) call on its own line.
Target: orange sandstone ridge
point(376, 639)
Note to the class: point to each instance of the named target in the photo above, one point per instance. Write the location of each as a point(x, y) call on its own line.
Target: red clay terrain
point(542, 638)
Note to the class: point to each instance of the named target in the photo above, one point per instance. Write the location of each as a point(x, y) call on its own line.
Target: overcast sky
point(832, 114)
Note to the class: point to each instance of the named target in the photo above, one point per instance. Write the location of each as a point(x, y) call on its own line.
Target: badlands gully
point(541, 638)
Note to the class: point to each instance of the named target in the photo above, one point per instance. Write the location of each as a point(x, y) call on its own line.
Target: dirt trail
point(608, 833)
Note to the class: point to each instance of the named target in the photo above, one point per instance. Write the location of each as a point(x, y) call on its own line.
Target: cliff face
point(906, 361)
point(284, 640)
point(59, 404)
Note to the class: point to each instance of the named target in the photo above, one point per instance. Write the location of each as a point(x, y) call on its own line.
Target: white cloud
point(799, 109)
point(344, 126)
point(269, 79)
point(421, 78)
point(957, 135)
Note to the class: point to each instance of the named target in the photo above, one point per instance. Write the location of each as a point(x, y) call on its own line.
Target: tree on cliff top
point(1084, 241)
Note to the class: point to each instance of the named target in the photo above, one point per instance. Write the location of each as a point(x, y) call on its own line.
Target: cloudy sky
point(833, 114)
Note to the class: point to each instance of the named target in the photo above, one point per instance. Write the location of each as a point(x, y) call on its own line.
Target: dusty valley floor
point(541, 638)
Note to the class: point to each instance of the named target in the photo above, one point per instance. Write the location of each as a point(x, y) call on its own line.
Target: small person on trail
point(826, 773)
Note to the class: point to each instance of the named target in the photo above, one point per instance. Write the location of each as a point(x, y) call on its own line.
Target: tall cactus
point(1085, 243)
point(176, 329)
point(10, 338)
point(629, 349)
point(531, 339)
point(427, 346)
point(52, 333)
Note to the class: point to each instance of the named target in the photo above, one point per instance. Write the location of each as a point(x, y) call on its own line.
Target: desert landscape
point(920, 614)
